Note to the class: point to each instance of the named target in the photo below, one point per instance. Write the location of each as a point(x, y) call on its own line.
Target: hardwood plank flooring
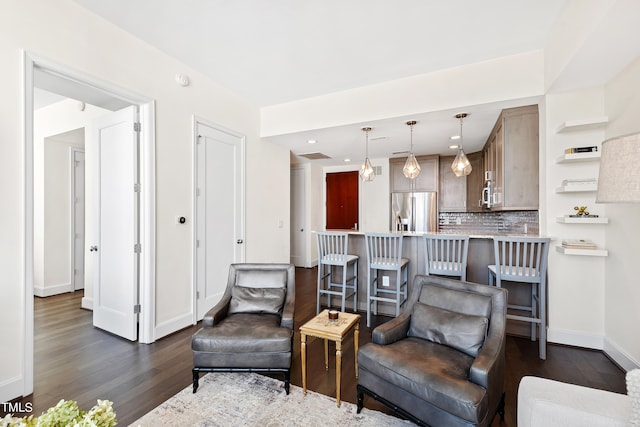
point(75, 361)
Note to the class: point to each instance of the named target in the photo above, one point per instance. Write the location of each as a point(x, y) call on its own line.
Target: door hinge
point(197, 294)
point(197, 192)
point(136, 309)
point(197, 243)
point(137, 248)
point(136, 127)
point(136, 188)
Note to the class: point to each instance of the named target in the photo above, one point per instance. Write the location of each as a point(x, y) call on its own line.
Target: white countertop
point(420, 234)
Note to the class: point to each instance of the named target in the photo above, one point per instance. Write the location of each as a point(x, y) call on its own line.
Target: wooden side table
point(334, 330)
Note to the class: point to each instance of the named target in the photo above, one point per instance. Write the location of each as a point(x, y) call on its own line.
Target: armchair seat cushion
point(244, 333)
point(435, 373)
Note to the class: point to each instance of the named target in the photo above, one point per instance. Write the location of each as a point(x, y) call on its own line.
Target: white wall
point(622, 293)
point(576, 283)
point(63, 32)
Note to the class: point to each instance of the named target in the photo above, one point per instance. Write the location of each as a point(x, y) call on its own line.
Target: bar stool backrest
point(332, 247)
point(384, 250)
point(521, 259)
point(446, 255)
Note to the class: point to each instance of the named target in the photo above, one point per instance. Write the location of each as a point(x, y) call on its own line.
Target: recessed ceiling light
point(311, 141)
point(347, 160)
point(454, 137)
point(453, 147)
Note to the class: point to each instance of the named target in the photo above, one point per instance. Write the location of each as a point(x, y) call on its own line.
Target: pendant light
point(366, 171)
point(461, 165)
point(411, 167)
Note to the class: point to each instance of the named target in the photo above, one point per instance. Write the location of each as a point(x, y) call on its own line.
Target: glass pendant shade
point(461, 165)
point(366, 171)
point(411, 167)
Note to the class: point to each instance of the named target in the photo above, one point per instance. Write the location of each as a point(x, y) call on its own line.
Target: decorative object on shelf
point(575, 150)
point(619, 179)
point(461, 165)
point(578, 244)
point(366, 171)
point(411, 167)
point(582, 210)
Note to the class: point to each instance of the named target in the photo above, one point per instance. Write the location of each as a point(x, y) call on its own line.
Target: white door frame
point(304, 216)
point(194, 231)
point(147, 207)
point(73, 191)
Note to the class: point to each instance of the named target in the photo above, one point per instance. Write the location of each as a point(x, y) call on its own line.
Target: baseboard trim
point(11, 389)
point(48, 291)
point(620, 356)
point(575, 338)
point(87, 303)
point(173, 325)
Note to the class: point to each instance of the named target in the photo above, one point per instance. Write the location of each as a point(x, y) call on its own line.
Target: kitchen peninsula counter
point(480, 256)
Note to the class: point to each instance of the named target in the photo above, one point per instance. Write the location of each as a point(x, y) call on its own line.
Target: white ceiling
point(275, 51)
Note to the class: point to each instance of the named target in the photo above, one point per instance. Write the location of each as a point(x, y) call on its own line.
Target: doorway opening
point(58, 80)
point(342, 200)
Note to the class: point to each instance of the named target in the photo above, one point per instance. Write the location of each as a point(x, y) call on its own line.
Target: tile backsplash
point(509, 222)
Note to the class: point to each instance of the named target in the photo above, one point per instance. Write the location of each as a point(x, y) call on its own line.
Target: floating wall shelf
point(579, 188)
point(585, 252)
point(583, 124)
point(574, 220)
point(579, 157)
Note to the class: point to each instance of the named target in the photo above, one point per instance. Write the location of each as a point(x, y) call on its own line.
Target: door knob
point(239, 241)
point(302, 229)
point(93, 249)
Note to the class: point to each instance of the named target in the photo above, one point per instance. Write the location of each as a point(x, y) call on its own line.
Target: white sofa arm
point(548, 403)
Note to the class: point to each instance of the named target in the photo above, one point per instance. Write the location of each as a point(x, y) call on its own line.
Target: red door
point(342, 200)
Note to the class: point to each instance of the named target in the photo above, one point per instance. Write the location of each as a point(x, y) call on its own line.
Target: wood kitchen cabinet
point(426, 181)
point(452, 193)
point(461, 193)
point(511, 156)
point(475, 182)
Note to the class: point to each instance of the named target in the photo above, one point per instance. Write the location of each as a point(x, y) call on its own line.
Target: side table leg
point(326, 355)
point(356, 335)
point(303, 354)
point(338, 369)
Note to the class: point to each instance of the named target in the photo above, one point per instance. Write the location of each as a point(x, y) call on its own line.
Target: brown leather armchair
point(442, 361)
point(251, 328)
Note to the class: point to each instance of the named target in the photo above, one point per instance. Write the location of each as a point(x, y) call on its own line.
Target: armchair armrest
point(393, 330)
point(217, 313)
point(287, 314)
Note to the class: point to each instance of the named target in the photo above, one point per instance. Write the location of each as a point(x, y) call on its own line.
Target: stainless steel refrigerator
point(414, 212)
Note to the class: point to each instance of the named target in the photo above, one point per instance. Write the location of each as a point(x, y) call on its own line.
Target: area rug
point(245, 399)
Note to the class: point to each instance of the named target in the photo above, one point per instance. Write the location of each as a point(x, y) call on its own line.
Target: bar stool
point(384, 252)
point(446, 255)
point(332, 252)
point(524, 260)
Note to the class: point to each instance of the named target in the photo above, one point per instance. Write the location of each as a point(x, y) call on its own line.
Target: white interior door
point(299, 230)
point(117, 249)
point(78, 220)
point(219, 211)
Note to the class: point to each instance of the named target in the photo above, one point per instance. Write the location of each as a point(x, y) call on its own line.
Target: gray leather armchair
point(442, 361)
point(251, 328)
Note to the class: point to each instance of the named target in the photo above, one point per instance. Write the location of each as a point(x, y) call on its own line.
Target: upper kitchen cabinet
point(426, 181)
point(511, 159)
point(461, 193)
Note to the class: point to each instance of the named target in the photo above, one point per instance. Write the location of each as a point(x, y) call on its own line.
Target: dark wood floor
point(75, 361)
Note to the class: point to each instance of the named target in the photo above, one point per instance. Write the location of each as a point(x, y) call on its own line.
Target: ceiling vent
point(314, 156)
